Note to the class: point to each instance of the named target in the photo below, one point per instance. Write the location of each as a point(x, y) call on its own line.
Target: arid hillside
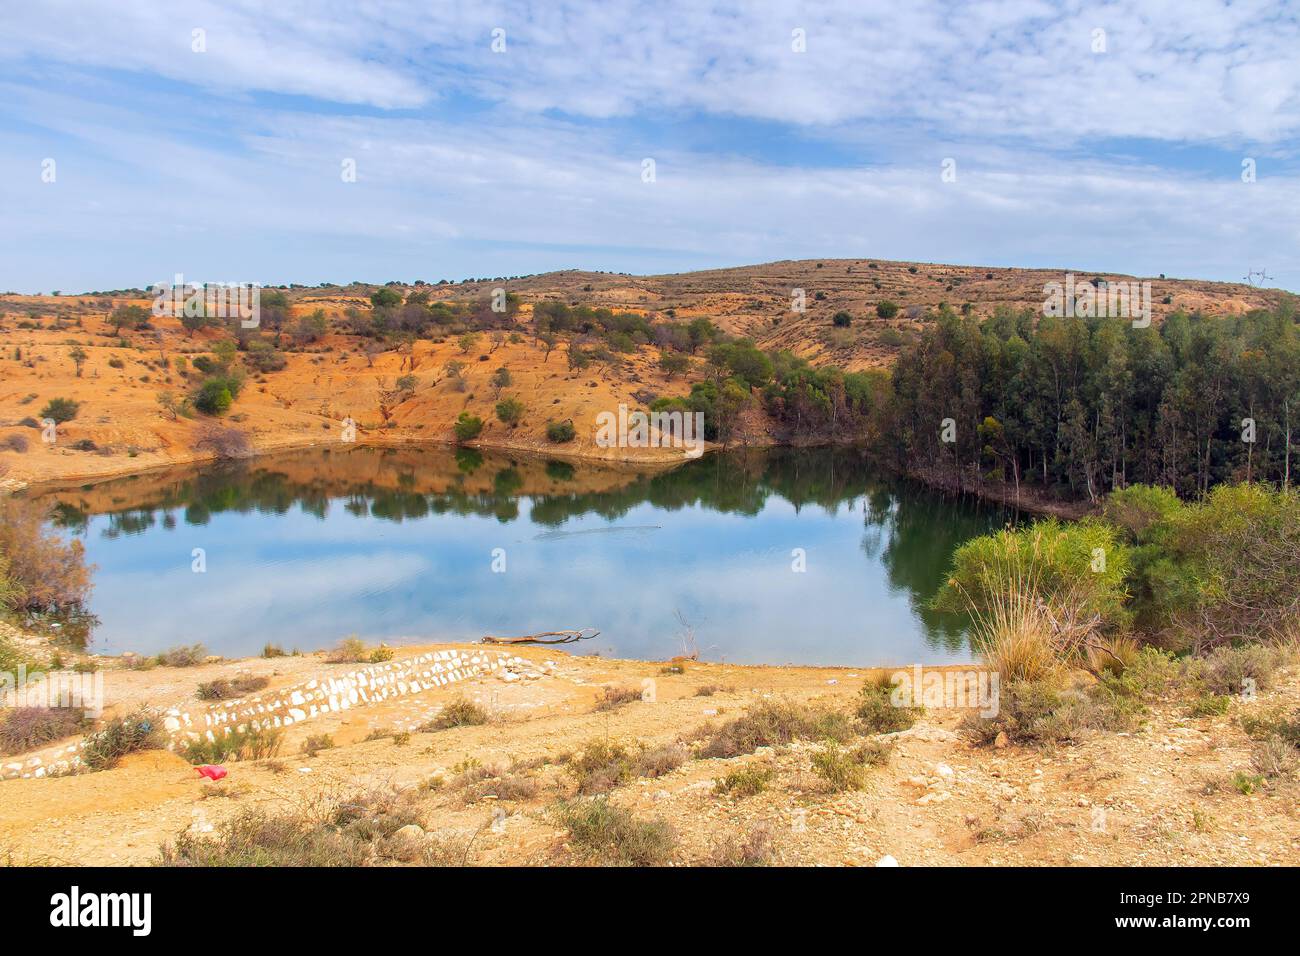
point(131, 380)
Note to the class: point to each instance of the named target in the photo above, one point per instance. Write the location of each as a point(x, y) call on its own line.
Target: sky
point(310, 141)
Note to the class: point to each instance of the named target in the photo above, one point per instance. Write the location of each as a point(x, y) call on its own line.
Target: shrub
point(1229, 669)
point(886, 309)
point(754, 848)
point(480, 783)
point(877, 712)
point(774, 724)
point(457, 713)
point(39, 571)
point(120, 736)
point(745, 781)
point(560, 432)
point(353, 650)
point(467, 426)
point(1041, 713)
point(221, 442)
point(601, 766)
point(25, 728)
point(657, 761)
point(228, 688)
point(248, 744)
point(1054, 564)
point(838, 768)
point(16, 443)
point(272, 650)
point(355, 831)
point(841, 320)
point(183, 655)
point(616, 697)
point(60, 410)
point(315, 743)
point(612, 835)
point(215, 396)
point(510, 411)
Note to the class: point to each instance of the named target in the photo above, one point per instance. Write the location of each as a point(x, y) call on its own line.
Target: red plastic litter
point(211, 772)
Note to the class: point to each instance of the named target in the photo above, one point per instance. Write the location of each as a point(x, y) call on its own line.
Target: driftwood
point(545, 637)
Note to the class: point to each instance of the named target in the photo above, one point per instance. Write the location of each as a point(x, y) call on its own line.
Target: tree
point(60, 410)
point(510, 411)
point(385, 299)
point(134, 316)
point(841, 320)
point(501, 379)
point(171, 403)
point(78, 356)
point(467, 342)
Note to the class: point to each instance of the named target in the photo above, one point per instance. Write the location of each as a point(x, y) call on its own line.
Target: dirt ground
point(1159, 795)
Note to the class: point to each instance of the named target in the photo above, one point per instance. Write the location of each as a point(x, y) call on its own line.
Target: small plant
point(272, 650)
point(1246, 783)
point(510, 411)
point(753, 848)
point(877, 712)
point(458, 713)
point(248, 744)
point(615, 697)
point(745, 781)
point(183, 655)
point(227, 688)
point(601, 766)
point(1210, 705)
point(614, 836)
point(773, 724)
point(316, 743)
point(120, 736)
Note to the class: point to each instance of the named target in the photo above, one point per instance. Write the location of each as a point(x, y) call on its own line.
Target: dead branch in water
point(559, 637)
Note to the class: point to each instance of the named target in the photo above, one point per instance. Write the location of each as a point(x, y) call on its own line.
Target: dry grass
point(617, 696)
point(775, 724)
point(458, 713)
point(229, 688)
point(25, 728)
point(611, 835)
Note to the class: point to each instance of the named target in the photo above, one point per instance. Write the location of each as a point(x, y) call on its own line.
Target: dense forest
point(1092, 405)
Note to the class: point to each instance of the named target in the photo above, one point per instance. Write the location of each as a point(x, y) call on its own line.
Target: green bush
point(1079, 567)
point(510, 411)
point(560, 432)
point(60, 410)
point(886, 309)
point(467, 426)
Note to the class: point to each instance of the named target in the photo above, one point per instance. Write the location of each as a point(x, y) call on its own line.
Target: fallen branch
point(559, 637)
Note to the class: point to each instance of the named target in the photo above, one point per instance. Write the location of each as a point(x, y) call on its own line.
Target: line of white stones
point(294, 705)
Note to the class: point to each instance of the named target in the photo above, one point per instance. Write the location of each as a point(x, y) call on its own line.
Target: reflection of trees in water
point(920, 530)
point(912, 532)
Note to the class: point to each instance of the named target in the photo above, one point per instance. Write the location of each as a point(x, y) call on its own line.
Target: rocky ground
point(1159, 795)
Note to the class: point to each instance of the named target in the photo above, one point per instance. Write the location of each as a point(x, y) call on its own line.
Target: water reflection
point(397, 544)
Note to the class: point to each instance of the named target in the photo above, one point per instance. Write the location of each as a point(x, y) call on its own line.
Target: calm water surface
point(400, 545)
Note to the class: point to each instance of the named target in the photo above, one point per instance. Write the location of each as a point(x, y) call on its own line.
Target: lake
point(774, 557)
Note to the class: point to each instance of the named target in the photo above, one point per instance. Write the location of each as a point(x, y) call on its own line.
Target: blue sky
point(1099, 137)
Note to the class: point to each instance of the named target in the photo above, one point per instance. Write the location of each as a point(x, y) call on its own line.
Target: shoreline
point(988, 492)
